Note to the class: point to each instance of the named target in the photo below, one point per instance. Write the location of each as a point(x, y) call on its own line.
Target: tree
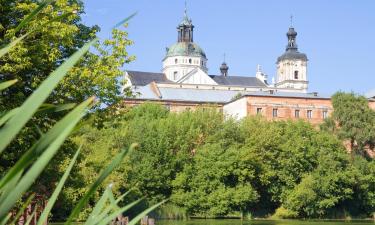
point(355, 119)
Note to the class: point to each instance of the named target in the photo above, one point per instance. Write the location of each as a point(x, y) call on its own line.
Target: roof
point(292, 54)
point(238, 81)
point(185, 49)
point(211, 95)
point(139, 78)
point(187, 94)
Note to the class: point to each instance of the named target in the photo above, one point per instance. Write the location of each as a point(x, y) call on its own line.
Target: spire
point(291, 34)
point(224, 68)
point(185, 28)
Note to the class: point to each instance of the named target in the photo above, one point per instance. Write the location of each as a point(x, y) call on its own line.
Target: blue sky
point(338, 36)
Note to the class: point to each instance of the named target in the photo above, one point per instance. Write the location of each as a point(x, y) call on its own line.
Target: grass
point(20, 177)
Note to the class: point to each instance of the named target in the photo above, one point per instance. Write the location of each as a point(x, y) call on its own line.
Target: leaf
point(7, 84)
point(103, 175)
point(22, 209)
point(124, 21)
point(30, 106)
point(4, 50)
point(34, 13)
point(28, 157)
point(144, 213)
point(108, 219)
point(51, 201)
point(35, 170)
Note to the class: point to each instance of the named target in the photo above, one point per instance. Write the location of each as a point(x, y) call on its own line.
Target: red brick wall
point(286, 107)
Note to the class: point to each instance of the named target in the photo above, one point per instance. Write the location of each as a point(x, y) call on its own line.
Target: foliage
point(214, 167)
point(355, 119)
point(18, 179)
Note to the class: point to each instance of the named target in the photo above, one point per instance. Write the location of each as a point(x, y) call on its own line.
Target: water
point(266, 222)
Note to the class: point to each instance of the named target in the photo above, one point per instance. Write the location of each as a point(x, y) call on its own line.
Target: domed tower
point(292, 66)
point(185, 55)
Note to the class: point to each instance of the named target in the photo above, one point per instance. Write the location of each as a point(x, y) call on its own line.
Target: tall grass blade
point(51, 201)
point(8, 115)
point(5, 220)
point(45, 108)
point(22, 209)
point(30, 217)
point(28, 157)
point(103, 175)
point(109, 218)
point(144, 213)
point(98, 207)
point(30, 106)
point(34, 13)
point(43, 160)
point(4, 50)
point(7, 84)
point(124, 21)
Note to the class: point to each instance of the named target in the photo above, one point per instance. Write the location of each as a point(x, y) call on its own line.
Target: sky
point(338, 36)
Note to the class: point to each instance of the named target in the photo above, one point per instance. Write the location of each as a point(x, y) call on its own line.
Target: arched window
point(190, 61)
point(296, 75)
point(175, 75)
point(175, 61)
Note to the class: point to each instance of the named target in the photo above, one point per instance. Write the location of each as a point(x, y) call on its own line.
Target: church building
point(185, 83)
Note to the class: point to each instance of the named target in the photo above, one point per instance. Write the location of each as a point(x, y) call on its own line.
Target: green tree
point(355, 119)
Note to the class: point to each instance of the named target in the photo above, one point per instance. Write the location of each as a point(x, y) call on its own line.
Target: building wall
point(285, 74)
point(182, 65)
point(286, 108)
point(372, 104)
point(236, 109)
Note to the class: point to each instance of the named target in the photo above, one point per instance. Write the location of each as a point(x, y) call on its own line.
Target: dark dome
point(291, 32)
point(292, 55)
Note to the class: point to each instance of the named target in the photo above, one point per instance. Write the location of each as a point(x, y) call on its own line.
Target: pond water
point(266, 222)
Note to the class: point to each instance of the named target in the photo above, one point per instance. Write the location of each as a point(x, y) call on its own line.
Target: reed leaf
point(124, 21)
point(34, 13)
point(103, 175)
point(7, 84)
point(109, 218)
point(144, 213)
point(22, 209)
point(28, 157)
point(4, 50)
point(35, 170)
point(30, 106)
point(51, 201)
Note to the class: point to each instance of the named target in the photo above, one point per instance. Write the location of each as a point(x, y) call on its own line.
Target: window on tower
point(175, 61)
point(296, 75)
point(175, 75)
point(190, 61)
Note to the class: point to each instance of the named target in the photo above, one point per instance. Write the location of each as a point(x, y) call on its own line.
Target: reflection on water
point(265, 222)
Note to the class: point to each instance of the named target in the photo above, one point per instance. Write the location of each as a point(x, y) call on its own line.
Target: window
point(274, 112)
point(175, 61)
point(190, 61)
point(259, 111)
point(325, 114)
point(175, 75)
point(296, 75)
point(309, 114)
point(296, 113)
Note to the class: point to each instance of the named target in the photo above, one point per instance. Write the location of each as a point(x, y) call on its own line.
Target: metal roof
point(238, 81)
point(139, 78)
point(212, 95)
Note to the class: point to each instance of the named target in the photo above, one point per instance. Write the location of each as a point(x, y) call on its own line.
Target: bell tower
point(292, 65)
